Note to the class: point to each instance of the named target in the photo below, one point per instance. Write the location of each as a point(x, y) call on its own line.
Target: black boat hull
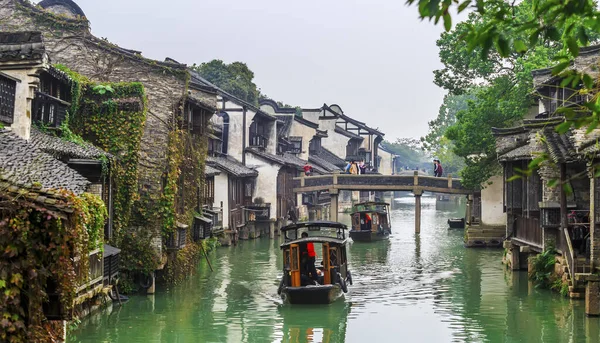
point(368, 236)
point(322, 294)
point(456, 223)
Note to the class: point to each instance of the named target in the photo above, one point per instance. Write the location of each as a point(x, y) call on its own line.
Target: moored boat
point(298, 285)
point(370, 222)
point(456, 223)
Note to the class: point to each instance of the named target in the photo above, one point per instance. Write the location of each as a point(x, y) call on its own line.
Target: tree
point(451, 105)
point(235, 78)
point(410, 153)
point(487, 88)
point(513, 28)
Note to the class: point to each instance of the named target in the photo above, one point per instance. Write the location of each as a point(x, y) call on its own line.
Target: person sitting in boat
point(308, 258)
point(366, 222)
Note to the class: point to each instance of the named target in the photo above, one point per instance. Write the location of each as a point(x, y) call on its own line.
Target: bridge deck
point(368, 182)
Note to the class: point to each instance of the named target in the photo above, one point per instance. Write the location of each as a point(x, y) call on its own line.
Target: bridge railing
point(377, 182)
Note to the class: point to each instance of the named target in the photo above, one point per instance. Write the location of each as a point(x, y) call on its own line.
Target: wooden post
point(449, 180)
point(333, 210)
point(564, 221)
point(592, 297)
point(418, 210)
point(594, 239)
point(302, 176)
point(416, 178)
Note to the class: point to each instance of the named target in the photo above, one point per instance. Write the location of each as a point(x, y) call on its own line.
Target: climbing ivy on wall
point(38, 247)
point(112, 116)
point(114, 121)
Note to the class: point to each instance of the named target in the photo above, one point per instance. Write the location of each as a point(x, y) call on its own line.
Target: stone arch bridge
point(417, 184)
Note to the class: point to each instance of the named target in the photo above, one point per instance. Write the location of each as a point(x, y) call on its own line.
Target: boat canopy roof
point(329, 240)
point(370, 206)
point(315, 230)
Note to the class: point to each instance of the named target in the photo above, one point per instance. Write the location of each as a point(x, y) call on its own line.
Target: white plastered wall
point(492, 207)
point(222, 195)
point(266, 181)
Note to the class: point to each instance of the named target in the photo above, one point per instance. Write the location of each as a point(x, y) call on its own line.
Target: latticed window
point(7, 99)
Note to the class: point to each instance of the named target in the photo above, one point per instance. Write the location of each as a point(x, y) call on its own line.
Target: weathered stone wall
point(24, 93)
point(70, 43)
point(101, 62)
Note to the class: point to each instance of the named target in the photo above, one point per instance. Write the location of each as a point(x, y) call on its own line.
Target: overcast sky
point(372, 57)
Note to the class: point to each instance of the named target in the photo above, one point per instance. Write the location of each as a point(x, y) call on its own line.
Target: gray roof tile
point(231, 166)
point(21, 46)
point(23, 164)
point(286, 159)
point(59, 148)
point(210, 171)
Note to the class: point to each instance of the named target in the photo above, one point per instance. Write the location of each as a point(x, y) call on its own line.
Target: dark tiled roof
point(72, 6)
point(560, 146)
point(331, 158)
point(523, 152)
point(284, 125)
point(231, 166)
point(24, 165)
point(21, 46)
point(199, 102)
point(288, 110)
point(353, 121)
point(314, 159)
point(287, 159)
point(210, 171)
point(60, 148)
point(198, 80)
point(347, 133)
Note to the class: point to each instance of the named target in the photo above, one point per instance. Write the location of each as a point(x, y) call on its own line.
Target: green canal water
point(412, 288)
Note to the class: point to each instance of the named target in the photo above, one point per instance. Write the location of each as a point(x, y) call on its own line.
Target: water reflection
point(316, 324)
point(415, 287)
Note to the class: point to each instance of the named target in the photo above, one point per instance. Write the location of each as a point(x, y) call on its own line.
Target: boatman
point(310, 258)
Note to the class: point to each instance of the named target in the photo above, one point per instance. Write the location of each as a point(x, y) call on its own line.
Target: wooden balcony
point(258, 141)
point(258, 213)
point(528, 231)
point(48, 110)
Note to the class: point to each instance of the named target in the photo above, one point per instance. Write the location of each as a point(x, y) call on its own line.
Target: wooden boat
point(456, 223)
point(296, 286)
point(370, 222)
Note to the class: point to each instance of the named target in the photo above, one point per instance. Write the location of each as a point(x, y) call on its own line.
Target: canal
point(412, 288)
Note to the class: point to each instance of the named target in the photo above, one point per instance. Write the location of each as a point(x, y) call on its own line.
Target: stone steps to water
point(483, 236)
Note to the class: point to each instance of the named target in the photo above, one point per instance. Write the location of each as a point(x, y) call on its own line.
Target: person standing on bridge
point(438, 170)
point(362, 167)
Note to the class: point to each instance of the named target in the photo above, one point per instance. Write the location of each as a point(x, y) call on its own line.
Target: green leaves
point(103, 89)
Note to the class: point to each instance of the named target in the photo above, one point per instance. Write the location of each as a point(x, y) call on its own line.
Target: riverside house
point(46, 174)
point(172, 124)
point(539, 212)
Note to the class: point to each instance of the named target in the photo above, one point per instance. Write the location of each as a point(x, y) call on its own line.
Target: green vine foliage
point(115, 121)
point(542, 271)
point(187, 259)
point(38, 247)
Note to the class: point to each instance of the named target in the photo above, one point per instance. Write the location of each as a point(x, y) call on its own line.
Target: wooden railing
point(570, 256)
point(529, 231)
point(236, 217)
point(376, 182)
point(48, 110)
point(95, 272)
point(257, 140)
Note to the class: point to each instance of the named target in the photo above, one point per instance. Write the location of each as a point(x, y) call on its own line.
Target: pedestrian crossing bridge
point(417, 184)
